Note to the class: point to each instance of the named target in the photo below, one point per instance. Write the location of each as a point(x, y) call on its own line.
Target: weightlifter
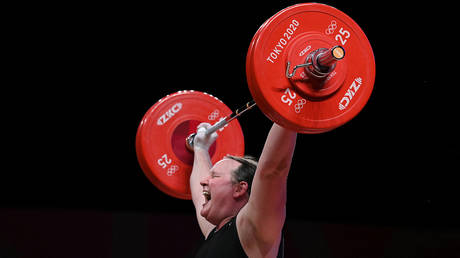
point(241, 203)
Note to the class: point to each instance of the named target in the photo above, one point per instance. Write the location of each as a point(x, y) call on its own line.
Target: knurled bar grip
point(220, 124)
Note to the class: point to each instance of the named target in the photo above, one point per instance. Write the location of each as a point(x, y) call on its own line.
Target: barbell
point(310, 68)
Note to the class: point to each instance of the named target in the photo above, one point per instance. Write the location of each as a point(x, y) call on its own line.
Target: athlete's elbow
point(275, 169)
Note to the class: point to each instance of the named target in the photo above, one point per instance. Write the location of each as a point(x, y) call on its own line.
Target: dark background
point(81, 77)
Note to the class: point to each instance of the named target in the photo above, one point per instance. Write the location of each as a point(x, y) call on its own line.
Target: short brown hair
point(245, 172)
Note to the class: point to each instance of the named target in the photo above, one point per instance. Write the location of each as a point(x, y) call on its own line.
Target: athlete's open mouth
point(207, 195)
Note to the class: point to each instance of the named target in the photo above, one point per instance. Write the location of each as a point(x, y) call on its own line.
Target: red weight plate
point(160, 139)
point(290, 35)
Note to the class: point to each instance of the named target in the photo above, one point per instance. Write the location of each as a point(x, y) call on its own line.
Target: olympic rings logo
point(331, 28)
point(299, 105)
point(213, 115)
point(172, 170)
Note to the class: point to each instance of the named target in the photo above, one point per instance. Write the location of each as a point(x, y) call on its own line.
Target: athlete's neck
point(223, 222)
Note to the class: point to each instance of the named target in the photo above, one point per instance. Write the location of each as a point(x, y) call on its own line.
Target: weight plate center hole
point(180, 133)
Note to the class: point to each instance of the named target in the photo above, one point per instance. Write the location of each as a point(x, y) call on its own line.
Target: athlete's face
point(218, 190)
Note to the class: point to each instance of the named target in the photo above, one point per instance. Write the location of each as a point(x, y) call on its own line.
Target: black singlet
point(226, 243)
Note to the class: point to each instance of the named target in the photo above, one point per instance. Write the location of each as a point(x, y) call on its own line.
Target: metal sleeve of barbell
point(229, 118)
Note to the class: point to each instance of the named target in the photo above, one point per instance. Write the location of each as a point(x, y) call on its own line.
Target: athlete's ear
point(240, 189)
